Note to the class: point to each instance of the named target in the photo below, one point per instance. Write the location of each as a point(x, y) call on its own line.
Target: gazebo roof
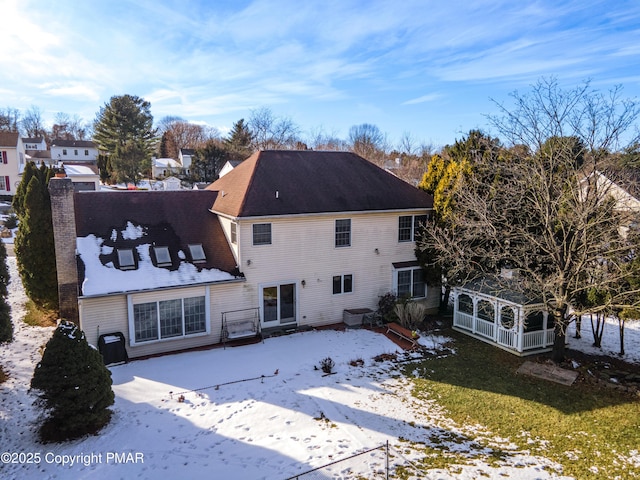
point(502, 290)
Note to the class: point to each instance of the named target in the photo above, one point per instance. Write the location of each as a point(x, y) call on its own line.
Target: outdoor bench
point(404, 333)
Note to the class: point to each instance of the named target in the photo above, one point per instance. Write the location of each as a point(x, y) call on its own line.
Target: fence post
point(387, 476)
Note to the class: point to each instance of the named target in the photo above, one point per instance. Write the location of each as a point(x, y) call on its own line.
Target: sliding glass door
point(278, 304)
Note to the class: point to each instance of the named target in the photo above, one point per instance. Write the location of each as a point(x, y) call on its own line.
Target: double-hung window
point(409, 227)
point(342, 284)
point(166, 319)
point(410, 283)
point(234, 233)
point(262, 234)
point(343, 233)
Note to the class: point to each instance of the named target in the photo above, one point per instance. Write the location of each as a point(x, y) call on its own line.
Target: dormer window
point(163, 259)
point(197, 253)
point(126, 259)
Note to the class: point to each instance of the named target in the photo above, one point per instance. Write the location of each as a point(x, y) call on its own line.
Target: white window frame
point(343, 278)
point(414, 226)
point(396, 273)
point(233, 233)
point(141, 301)
point(3, 183)
point(253, 239)
point(338, 237)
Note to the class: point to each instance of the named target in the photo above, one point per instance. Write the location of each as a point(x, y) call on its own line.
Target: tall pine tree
point(123, 128)
point(74, 386)
point(34, 245)
point(6, 327)
point(238, 143)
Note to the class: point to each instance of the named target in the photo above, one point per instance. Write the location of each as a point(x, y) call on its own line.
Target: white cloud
point(425, 98)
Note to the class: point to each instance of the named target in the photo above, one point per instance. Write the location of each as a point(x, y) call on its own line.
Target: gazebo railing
point(508, 338)
point(485, 328)
point(463, 320)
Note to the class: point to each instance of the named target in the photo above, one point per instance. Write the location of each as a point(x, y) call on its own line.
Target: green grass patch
point(38, 317)
point(589, 430)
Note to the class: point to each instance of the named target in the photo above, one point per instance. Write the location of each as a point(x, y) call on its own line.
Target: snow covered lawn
point(260, 411)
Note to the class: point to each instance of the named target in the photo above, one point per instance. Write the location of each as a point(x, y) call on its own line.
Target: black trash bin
point(112, 348)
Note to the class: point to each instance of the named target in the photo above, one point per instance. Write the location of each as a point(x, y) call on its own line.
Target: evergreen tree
point(6, 327)
point(34, 245)
point(130, 162)
point(208, 161)
point(124, 130)
point(238, 144)
point(167, 146)
point(74, 386)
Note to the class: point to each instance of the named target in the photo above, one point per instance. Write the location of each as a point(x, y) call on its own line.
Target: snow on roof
point(166, 163)
point(100, 279)
point(78, 170)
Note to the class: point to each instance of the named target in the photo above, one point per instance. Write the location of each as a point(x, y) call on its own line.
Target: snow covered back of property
point(101, 279)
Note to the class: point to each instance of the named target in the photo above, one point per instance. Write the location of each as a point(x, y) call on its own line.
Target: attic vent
point(197, 253)
point(126, 259)
point(163, 259)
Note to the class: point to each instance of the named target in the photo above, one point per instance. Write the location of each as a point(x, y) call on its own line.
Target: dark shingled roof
point(73, 143)
point(503, 290)
point(9, 139)
point(175, 219)
point(288, 182)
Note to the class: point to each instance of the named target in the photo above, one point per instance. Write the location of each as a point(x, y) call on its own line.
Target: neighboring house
point(83, 176)
point(165, 167)
point(73, 151)
point(291, 239)
point(12, 158)
point(185, 156)
point(228, 166)
point(34, 144)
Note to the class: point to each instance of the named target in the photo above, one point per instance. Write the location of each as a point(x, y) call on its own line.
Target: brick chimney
point(64, 233)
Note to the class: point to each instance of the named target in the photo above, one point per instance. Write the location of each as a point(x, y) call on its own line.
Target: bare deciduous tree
point(540, 209)
point(182, 134)
point(9, 119)
point(269, 132)
point(32, 123)
point(369, 142)
point(66, 127)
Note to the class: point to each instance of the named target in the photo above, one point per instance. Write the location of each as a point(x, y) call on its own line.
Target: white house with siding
point(73, 151)
point(12, 158)
point(287, 239)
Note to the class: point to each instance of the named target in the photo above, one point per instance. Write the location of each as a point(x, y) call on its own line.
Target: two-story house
point(293, 238)
point(73, 151)
point(11, 158)
point(37, 144)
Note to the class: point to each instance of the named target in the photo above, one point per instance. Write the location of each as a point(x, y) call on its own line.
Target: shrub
point(327, 364)
point(74, 386)
point(386, 307)
point(11, 221)
point(411, 314)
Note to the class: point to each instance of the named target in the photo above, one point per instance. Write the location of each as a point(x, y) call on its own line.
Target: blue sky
point(428, 68)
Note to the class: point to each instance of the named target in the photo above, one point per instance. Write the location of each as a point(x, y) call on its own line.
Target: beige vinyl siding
point(303, 248)
point(109, 314)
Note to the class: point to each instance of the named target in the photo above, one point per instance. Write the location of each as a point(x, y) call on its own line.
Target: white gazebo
point(502, 317)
